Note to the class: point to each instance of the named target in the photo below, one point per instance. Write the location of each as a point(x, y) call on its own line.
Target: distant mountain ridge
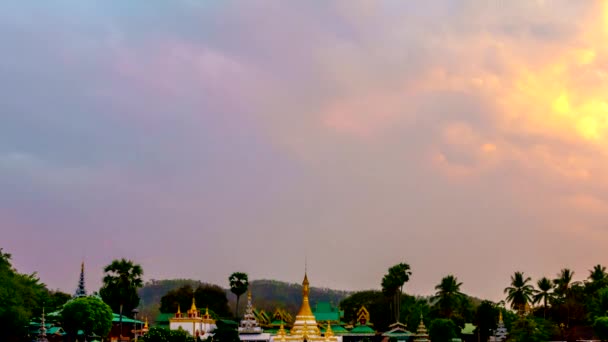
point(267, 295)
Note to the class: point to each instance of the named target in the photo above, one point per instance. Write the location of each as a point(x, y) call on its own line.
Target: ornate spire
point(193, 307)
point(42, 335)
point(328, 331)
point(179, 311)
point(80, 290)
point(305, 308)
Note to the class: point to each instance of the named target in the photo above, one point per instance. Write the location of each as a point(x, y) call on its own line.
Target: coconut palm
point(448, 295)
point(239, 282)
point(543, 293)
point(520, 292)
point(563, 289)
point(563, 283)
point(598, 276)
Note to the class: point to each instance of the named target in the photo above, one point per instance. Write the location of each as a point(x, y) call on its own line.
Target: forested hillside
point(267, 294)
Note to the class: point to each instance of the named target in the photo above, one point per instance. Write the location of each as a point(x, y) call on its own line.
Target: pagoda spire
point(81, 290)
point(42, 335)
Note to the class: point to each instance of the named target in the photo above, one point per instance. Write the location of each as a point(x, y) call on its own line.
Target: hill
point(267, 295)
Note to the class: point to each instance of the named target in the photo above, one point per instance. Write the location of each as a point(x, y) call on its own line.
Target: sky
point(199, 138)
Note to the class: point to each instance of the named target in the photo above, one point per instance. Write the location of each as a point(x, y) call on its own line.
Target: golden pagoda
point(305, 327)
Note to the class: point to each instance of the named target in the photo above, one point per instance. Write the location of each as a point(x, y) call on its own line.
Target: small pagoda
point(501, 331)
point(249, 328)
point(422, 334)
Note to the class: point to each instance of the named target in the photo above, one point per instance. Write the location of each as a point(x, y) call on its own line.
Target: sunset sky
point(199, 138)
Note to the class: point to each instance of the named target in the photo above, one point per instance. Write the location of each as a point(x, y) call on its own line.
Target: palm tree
point(598, 277)
point(563, 282)
point(239, 282)
point(520, 292)
point(543, 293)
point(392, 285)
point(448, 294)
point(120, 283)
point(563, 289)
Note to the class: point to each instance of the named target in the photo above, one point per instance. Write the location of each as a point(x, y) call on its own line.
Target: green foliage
point(206, 296)
point(164, 335)
point(600, 327)
point(442, 330)
point(121, 281)
point(376, 304)
point(599, 305)
point(392, 285)
point(527, 329)
point(486, 317)
point(19, 295)
point(89, 314)
point(412, 308)
point(225, 333)
point(239, 282)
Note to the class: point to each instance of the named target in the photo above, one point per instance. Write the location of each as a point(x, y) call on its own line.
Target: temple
point(249, 328)
point(193, 322)
point(305, 327)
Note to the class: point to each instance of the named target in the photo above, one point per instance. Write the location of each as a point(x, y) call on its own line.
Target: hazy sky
point(200, 138)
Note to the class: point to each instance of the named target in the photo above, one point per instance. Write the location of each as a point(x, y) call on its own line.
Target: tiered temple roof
point(249, 324)
point(422, 334)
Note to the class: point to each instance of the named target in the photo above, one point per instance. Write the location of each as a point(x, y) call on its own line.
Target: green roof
point(55, 330)
point(271, 331)
point(125, 319)
point(278, 322)
point(336, 329)
point(324, 311)
point(468, 329)
point(164, 318)
point(228, 321)
point(362, 330)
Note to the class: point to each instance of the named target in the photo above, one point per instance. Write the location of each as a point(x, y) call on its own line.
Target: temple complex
point(193, 322)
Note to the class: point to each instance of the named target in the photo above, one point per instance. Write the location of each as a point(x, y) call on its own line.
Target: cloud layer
point(203, 138)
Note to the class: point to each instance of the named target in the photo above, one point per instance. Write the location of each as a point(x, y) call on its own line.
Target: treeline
point(268, 295)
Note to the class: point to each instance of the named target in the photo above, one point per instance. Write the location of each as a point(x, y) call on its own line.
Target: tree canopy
point(89, 314)
point(239, 282)
point(392, 285)
point(121, 280)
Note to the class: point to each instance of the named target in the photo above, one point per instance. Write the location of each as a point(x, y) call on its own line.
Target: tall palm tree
point(543, 293)
point(520, 292)
point(448, 295)
point(563, 282)
point(239, 283)
point(598, 276)
point(392, 285)
point(563, 289)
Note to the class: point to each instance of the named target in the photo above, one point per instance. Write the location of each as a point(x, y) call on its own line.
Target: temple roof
point(362, 330)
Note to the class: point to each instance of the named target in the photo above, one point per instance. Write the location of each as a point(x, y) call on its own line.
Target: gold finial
point(207, 311)
point(328, 331)
point(146, 324)
point(249, 295)
point(500, 316)
point(179, 310)
point(193, 307)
